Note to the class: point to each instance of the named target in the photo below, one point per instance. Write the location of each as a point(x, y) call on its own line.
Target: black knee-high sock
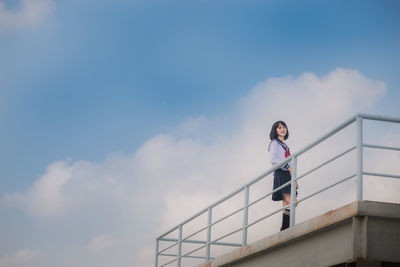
point(285, 219)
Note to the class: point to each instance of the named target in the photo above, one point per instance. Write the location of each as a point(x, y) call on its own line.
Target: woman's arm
point(274, 153)
point(277, 155)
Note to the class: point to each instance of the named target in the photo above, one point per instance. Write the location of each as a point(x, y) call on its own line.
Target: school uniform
point(279, 151)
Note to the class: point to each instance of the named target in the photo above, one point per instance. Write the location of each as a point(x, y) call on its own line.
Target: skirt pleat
point(281, 177)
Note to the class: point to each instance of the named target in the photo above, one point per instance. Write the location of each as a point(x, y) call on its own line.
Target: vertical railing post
point(293, 192)
point(157, 248)
point(359, 158)
point(209, 221)
point(179, 246)
point(245, 216)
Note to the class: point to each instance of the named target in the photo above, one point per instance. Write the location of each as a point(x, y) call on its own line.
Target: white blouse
point(277, 153)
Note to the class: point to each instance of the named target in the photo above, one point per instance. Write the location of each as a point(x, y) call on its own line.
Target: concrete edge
point(379, 209)
point(307, 228)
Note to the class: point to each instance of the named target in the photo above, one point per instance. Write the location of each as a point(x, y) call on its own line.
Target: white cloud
point(30, 14)
point(192, 125)
point(173, 176)
point(143, 258)
point(45, 198)
point(21, 258)
point(101, 243)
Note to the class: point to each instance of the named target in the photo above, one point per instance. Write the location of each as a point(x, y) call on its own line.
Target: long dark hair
point(274, 135)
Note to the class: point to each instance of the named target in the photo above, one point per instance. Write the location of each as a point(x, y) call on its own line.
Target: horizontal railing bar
point(227, 216)
point(231, 233)
point(326, 188)
point(201, 242)
point(168, 255)
point(195, 257)
point(259, 199)
point(174, 255)
point(381, 147)
point(195, 233)
point(168, 263)
point(226, 244)
point(381, 174)
point(168, 232)
point(379, 118)
point(165, 249)
point(326, 162)
point(227, 197)
point(193, 251)
point(189, 241)
point(168, 239)
point(195, 241)
point(194, 216)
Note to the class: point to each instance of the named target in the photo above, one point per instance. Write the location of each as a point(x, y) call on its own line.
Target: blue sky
point(100, 77)
point(83, 80)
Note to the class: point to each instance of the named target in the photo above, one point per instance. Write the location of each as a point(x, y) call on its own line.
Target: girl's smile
point(281, 130)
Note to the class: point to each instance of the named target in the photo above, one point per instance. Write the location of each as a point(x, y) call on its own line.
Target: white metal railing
point(246, 189)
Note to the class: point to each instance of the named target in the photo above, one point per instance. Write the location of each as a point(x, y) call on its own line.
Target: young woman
point(278, 152)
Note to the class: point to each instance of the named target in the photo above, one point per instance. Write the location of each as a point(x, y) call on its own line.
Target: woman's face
point(281, 130)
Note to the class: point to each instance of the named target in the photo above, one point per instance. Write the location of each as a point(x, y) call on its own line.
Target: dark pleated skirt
point(281, 177)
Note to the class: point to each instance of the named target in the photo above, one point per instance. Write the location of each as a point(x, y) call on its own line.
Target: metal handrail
point(382, 147)
point(381, 174)
point(207, 243)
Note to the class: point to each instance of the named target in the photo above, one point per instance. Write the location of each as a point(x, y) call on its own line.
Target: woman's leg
point(285, 199)
point(286, 211)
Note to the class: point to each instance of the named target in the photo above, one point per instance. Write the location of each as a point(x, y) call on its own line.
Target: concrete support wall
point(315, 251)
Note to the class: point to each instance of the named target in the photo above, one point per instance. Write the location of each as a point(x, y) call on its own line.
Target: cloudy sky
point(119, 119)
